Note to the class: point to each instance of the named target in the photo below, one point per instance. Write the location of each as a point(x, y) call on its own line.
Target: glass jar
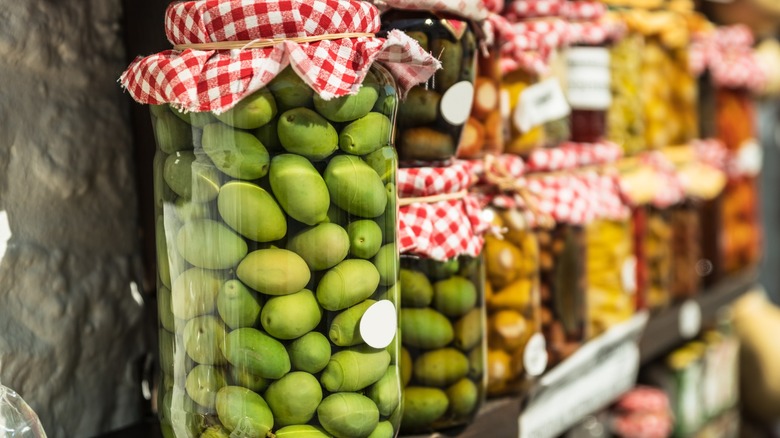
point(611, 274)
point(431, 119)
point(562, 264)
point(484, 130)
point(625, 121)
point(658, 256)
point(685, 251)
point(589, 79)
point(639, 240)
point(443, 354)
point(710, 266)
point(276, 283)
point(741, 234)
point(513, 304)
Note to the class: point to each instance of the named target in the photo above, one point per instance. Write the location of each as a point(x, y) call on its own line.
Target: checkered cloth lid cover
point(728, 54)
point(644, 399)
point(664, 182)
point(571, 155)
point(210, 80)
point(444, 229)
point(523, 9)
point(564, 197)
point(474, 10)
point(532, 45)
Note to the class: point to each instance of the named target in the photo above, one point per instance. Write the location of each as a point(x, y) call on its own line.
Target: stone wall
point(71, 330)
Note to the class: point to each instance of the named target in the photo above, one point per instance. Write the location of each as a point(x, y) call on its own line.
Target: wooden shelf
point(499, 417)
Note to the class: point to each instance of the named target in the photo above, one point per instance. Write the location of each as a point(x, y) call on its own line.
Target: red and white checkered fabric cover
point(566, 198)
point(668, 189)
point(570, 155)
point(532, 44)
point(494, 6)
point(728, 55)
point(644, 412)
point(444, 229)
point(510, 165)
point(474, 10)
point(521, 9)
point(584, 10)
point(597, 32)
point(209, 80)
point(608, 203)
point(712, 151)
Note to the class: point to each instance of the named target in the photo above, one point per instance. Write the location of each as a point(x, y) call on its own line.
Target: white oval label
point(379, 324)
point(690, 319)
point(535, 355)
point(628, 275)
point(456, 103)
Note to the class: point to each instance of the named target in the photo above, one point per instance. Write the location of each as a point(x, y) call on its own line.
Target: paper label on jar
point(535, 355)
point(456, 103)
point(379, 324)
point(689, 319)
point(589, 78)
point(628, 275)
point(540, 103)
point(750, 158)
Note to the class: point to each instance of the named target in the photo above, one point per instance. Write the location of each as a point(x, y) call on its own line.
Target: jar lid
point(571, 155)
point(727, 52)
point(521, 9)
point(596, 32)
point(438, 219)
point(650, 178)
point(532, 44)
point(329, 44)
point(473, 10)
point(584, 10)
point(563, 197)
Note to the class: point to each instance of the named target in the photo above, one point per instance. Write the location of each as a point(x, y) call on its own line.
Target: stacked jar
point(669, 89)
point(736, 74)
point(433, 116)
point(442, 274)
point(484, 131)
point(588, 69)
point(611, 261)
point(625, 117)
point(564, 210)
point(442, 298)
point(534, 66)
point(276, 302)
point(516, 347)
point(651, 185)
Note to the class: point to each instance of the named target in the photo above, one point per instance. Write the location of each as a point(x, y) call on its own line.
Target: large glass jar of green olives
point(432, 117)
point(442, 298)
point(276, 212)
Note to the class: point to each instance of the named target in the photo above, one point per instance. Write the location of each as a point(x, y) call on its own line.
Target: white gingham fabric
point(711, 151)
point(728, 54)
point(444, 229)
point(565, 197)
point(210, 80)
point(474, 10)
point(584, 10)
point(570, 155)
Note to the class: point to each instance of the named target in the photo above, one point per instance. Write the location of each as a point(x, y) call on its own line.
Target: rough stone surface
point(71, 332)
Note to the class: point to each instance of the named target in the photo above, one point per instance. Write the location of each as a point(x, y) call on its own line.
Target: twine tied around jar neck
point(260, 43)
point(403, 202)
point(498, 175)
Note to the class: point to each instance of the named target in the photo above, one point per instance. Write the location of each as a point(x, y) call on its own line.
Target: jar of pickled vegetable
point(658, 256)
point(534, 86)
point(442, 298)
point(685, 251)
point(625, 121)
point(484, 130)
point(562, 261)
point(432, 118)
point(516, 347)
point(277, 269)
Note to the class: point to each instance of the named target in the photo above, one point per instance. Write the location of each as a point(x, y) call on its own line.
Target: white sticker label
point(628, 275)
point(535, 355)
point(589, 78)
point(690, 319)
point(379, 324)
point(750, 158)
point(540, 103)
point(5, 233)
point(456, 103)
